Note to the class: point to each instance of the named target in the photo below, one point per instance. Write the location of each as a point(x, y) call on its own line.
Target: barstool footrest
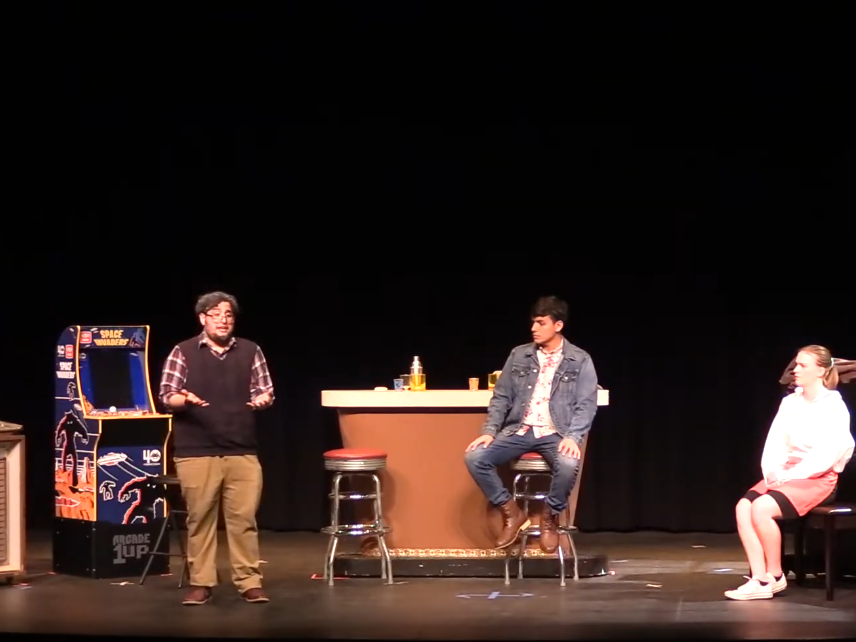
point(535, 530)
point(533, 496)
point(355, 530)
point(353, 496)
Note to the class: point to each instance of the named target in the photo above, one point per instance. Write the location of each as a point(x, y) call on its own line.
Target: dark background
point(375, 182)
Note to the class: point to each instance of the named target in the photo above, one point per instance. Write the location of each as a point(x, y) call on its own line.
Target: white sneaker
point(752, 590)
point(777, 587)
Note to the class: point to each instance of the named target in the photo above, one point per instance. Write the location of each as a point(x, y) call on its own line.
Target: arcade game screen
point(112, 370)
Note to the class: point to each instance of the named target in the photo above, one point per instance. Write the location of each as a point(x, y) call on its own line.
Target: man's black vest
point(227, 426)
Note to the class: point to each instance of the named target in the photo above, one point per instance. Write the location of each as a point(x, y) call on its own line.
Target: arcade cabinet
point(12, 485)
point(110, 441)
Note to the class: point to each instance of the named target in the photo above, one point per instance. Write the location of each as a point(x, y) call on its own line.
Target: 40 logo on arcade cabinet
point(110, 444)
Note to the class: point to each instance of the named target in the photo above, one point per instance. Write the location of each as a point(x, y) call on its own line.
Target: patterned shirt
point(174, 372)
point(537, 415)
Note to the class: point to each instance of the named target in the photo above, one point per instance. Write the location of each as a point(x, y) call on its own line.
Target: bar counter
point(430, 500)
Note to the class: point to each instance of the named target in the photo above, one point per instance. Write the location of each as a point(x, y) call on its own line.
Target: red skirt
point(804, 494)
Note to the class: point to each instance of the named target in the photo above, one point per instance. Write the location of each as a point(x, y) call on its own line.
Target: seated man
point(544, 401)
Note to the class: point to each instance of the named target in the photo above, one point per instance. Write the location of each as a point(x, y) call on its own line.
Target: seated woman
point(808, 445)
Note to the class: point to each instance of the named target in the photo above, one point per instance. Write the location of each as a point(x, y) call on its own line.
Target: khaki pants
point(238, 481)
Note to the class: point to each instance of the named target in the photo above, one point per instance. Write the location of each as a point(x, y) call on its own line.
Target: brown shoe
point(255, 595)
point(514, 520)
point(549, 539)
point(197, 595)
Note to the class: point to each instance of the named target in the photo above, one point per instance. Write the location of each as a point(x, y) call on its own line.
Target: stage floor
point(663, 585)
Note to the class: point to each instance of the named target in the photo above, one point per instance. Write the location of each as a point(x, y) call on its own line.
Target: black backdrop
point(375, 183)
point(691, 362)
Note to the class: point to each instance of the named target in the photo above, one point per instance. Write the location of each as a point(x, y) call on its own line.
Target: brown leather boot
point(549, 539)
point(197, 595)
point(255, 595)
point(514, 520)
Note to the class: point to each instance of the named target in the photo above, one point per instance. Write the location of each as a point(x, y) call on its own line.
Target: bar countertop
point(420, 399)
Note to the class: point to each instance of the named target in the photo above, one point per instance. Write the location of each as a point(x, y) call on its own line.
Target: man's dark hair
point(213, 299)
point(551, 306)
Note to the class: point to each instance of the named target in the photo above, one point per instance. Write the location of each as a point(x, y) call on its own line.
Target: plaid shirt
point(174, 373)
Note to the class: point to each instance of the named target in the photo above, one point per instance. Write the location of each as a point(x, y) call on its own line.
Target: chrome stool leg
point(328, 554)
point(568, 531)
point(329, 561)
point(385, 561)
point(574, 553)
point(334, 526)
point(523, 536)
point(514, 495)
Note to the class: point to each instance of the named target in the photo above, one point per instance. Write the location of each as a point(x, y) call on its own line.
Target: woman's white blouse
point(810, 438)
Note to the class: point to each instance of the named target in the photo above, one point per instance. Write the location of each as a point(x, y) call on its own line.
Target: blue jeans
point(482, 463)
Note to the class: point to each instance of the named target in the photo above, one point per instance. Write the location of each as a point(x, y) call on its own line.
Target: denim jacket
point(573, 402)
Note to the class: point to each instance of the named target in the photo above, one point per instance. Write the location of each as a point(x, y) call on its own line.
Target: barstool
point(529, 466)
point(170, 522)
point(354, 463)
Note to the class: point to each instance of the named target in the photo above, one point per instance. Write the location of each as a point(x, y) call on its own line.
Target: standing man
point(544, 401)
point(213, 383)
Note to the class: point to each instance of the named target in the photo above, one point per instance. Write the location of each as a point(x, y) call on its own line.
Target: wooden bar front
point(429, 498)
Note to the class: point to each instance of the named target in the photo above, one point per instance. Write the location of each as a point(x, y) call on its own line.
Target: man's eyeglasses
point(217, 316)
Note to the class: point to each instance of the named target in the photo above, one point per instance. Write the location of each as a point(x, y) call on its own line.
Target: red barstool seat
point(355, 460)
point(531, 463)
point(355, 453)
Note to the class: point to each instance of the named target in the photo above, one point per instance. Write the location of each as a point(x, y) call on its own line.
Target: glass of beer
point(417, 382)
point(492, 378)
point(474, 383)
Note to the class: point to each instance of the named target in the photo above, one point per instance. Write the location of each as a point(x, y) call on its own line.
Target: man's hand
point(569, 448)
point(484, 439)
point(192, 400)
point(261, 401)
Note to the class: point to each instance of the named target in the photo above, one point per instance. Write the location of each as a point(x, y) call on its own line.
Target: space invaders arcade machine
point(110, 441)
